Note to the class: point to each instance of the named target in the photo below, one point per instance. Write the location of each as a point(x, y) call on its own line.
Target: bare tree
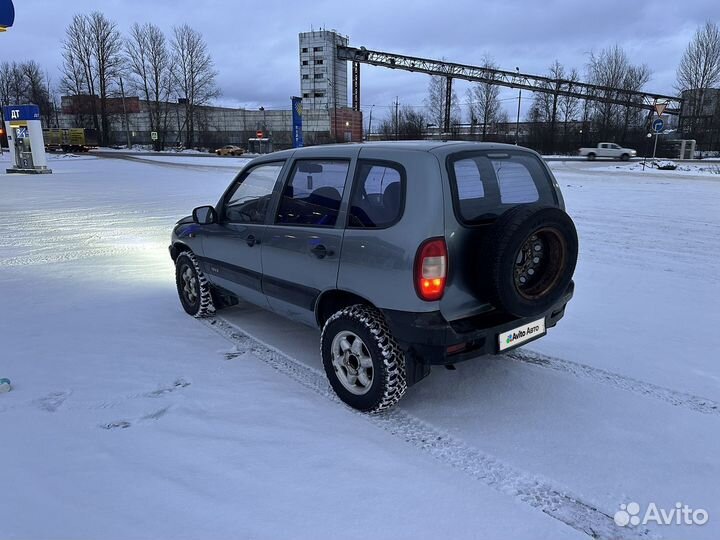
point(150, 68)
point(408, 124)
point(611, 68)
point(78, 75)
point(699, 68)
point(6, 84)
point(92, 60)
point(484, 100)
point(568, 106)
point(193, 74)
point(107, 54)
point(436, 100)
point(635, 78)
point(24, 82)
point(36, 90)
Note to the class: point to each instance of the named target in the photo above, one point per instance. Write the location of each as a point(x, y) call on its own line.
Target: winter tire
point(192, 286)
point(364, 364)
point(529, 257)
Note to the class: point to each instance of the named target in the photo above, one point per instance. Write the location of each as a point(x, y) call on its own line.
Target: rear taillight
point(431, 264)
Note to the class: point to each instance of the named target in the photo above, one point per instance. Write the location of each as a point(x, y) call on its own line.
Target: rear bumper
point(428, 335)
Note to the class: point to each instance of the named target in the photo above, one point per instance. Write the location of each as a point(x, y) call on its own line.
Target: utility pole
point(370, 122)
point(517, 122)
point(125, 114)
point(397, 117)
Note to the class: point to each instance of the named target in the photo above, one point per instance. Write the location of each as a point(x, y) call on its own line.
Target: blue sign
point(7, 14)
point(297, 110)
point(658, 125)
point(15, 113)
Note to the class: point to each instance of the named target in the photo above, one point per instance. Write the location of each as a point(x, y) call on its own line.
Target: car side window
point(313, 193)
point(378, 195)
point(249, 200)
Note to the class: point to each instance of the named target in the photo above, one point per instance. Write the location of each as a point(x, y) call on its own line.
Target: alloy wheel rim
point(352, 362)
point(189, 281)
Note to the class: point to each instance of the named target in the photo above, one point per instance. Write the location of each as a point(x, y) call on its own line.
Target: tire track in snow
point(177, 165)
point(673, 397)
point(533, 490)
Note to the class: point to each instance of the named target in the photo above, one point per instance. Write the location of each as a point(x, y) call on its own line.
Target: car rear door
point(232, 247)
point(301, 251)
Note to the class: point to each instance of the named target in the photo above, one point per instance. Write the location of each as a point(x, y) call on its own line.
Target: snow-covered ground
point(129, 419)
point(711, 168)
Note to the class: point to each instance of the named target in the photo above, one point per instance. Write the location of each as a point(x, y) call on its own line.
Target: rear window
point(485, 184)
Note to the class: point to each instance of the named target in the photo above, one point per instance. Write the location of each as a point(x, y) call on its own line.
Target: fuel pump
point(25, 139)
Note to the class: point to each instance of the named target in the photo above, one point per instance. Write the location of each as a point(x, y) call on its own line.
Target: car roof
point(439, 148)
point(421, 145)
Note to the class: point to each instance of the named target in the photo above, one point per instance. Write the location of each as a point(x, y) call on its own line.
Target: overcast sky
point(255, 44)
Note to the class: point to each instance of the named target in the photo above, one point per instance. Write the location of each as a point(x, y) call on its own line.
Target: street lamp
point(517, 122)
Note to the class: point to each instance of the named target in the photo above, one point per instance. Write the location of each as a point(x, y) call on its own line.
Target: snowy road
point(131, 420)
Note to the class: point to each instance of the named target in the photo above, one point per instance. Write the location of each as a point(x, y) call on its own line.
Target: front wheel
point(193, 287)
point(362, 361)
point(625, 157)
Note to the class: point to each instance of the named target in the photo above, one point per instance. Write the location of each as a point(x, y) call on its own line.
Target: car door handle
point(251, 240)
point(321, 251)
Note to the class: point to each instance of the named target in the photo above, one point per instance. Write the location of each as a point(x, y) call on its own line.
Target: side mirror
point(204, 215)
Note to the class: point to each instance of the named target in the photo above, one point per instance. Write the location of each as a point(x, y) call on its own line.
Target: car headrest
point(326, 195)
point(391, 195)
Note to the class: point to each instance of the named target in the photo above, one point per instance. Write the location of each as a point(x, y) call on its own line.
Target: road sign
point(259, 134)
point(658, 125)
point(154, 135)
point(660, 108)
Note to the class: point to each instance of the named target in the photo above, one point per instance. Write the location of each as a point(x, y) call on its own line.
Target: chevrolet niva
point(404, 254)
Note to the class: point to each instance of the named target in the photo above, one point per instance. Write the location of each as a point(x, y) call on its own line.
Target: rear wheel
point(192, 286)
point(591, 156)
point(364, 364)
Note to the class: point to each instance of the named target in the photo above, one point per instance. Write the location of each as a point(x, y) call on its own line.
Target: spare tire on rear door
point(528, 259)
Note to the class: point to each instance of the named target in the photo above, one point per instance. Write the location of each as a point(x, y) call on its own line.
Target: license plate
point(521, 334)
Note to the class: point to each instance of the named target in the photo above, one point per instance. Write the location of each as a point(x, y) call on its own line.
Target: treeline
point(99, 61)
point(100, 64)
point(25, 82)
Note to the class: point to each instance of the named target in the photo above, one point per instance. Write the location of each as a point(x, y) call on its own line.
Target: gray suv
point(405, 255)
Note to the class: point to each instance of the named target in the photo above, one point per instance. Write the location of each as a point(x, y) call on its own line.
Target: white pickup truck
point(608, 150)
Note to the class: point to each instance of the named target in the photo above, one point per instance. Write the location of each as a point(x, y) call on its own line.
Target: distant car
point(405, 255)
point(608, 150)
point(230, 150)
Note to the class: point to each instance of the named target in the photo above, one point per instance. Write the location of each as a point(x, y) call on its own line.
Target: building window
point(307, 95)
point(305, 62)
point(317, 49)
point(318, 62)
point(306, 76)
point(319, 94)
point(318, 75)
point(304, 49)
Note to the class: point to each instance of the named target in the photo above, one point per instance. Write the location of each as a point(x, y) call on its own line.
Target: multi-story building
point(700, 117)
point(323, 78)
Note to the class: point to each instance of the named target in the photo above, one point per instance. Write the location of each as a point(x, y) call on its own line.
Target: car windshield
point(487, 183)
